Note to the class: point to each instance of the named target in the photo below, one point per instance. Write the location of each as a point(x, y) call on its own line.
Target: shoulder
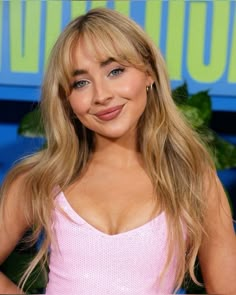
point(14, 221)
point(217, 253)
point(218, 212)
point(13, 197)
point(215, 196)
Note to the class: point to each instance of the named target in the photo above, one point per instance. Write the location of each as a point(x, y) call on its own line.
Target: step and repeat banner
point(197, 39)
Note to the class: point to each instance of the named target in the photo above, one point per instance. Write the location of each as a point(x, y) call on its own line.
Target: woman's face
point(107, 97)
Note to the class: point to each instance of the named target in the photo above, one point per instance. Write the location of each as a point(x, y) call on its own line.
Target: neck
point(119, 153)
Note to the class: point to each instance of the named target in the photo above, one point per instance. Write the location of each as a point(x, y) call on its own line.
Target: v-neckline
point(69, 210)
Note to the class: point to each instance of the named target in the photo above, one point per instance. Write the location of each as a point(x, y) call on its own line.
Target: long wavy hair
point(174, 156)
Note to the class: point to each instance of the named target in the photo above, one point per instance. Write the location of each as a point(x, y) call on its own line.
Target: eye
point(116, 72)
point(80, 84)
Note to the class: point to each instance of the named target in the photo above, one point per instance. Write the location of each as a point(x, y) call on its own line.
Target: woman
point(125, 192)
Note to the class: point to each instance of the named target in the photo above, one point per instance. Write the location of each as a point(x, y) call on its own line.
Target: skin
point(217, 254)
point(11, 231)
point(116, 162)
point(100, 85)
point(111, 204)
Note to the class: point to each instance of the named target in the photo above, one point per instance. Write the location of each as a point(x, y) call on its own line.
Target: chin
point(116, 133)
point(113, 136)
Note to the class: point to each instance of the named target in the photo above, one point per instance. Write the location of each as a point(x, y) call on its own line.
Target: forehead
point(85, 50)
point(92, 48)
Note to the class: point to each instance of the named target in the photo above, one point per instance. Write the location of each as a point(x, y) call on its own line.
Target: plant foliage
point(198, 112)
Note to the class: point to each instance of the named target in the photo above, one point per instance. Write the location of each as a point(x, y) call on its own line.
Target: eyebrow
point(102, 65)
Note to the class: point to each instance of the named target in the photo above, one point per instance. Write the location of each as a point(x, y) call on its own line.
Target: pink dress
point(86, 261)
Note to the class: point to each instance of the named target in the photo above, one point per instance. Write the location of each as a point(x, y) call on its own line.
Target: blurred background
point(197, 39)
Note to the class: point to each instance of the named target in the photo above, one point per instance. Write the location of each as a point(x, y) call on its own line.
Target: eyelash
point(119, 70)
point(77, 84)
point(115, 72)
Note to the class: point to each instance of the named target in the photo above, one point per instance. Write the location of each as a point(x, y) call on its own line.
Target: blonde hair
point(174, 155)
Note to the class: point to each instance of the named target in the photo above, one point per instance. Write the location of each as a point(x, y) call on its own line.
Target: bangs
point(65, 62)
point(111, 43)
point(104, 40)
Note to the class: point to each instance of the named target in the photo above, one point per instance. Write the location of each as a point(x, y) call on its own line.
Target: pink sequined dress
point(86, 261)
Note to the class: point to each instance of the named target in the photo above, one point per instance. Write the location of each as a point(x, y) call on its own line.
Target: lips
point(110, 113)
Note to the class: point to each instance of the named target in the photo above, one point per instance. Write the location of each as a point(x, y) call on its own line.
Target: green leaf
point(180, 94)
point(31, 125)
point(192, 114)
point(224, 153)
point(202, 101)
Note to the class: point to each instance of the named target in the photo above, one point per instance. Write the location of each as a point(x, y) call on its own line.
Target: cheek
point(133, 89)
point(79, 106)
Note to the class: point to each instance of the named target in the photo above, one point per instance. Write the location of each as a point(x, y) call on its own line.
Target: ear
point(149, 79)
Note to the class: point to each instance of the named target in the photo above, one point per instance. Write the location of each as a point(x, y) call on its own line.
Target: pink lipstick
point(109, 114)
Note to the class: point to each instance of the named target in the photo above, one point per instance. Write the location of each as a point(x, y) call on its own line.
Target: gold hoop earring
point(149, 87)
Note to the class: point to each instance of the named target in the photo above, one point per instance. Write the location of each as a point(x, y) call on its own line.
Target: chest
point(114, 202)
point(85, 259)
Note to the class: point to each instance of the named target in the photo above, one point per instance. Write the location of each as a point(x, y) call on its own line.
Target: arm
point(7, 286)
point(12, 227)
point(217, 254)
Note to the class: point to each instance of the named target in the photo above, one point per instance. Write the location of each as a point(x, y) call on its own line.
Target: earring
point(149, 87)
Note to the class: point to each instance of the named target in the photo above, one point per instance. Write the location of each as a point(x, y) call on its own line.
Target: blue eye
point(116, 72)
point(79, 84)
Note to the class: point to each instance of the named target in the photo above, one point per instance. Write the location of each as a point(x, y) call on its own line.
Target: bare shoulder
point(13, 221)
point(13, 194)
point(217, 254)
point(218, 212)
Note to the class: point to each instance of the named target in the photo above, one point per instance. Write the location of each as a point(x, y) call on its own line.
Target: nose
point(102, 92)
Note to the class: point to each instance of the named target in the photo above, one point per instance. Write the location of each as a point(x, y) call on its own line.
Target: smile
point(109, 114)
